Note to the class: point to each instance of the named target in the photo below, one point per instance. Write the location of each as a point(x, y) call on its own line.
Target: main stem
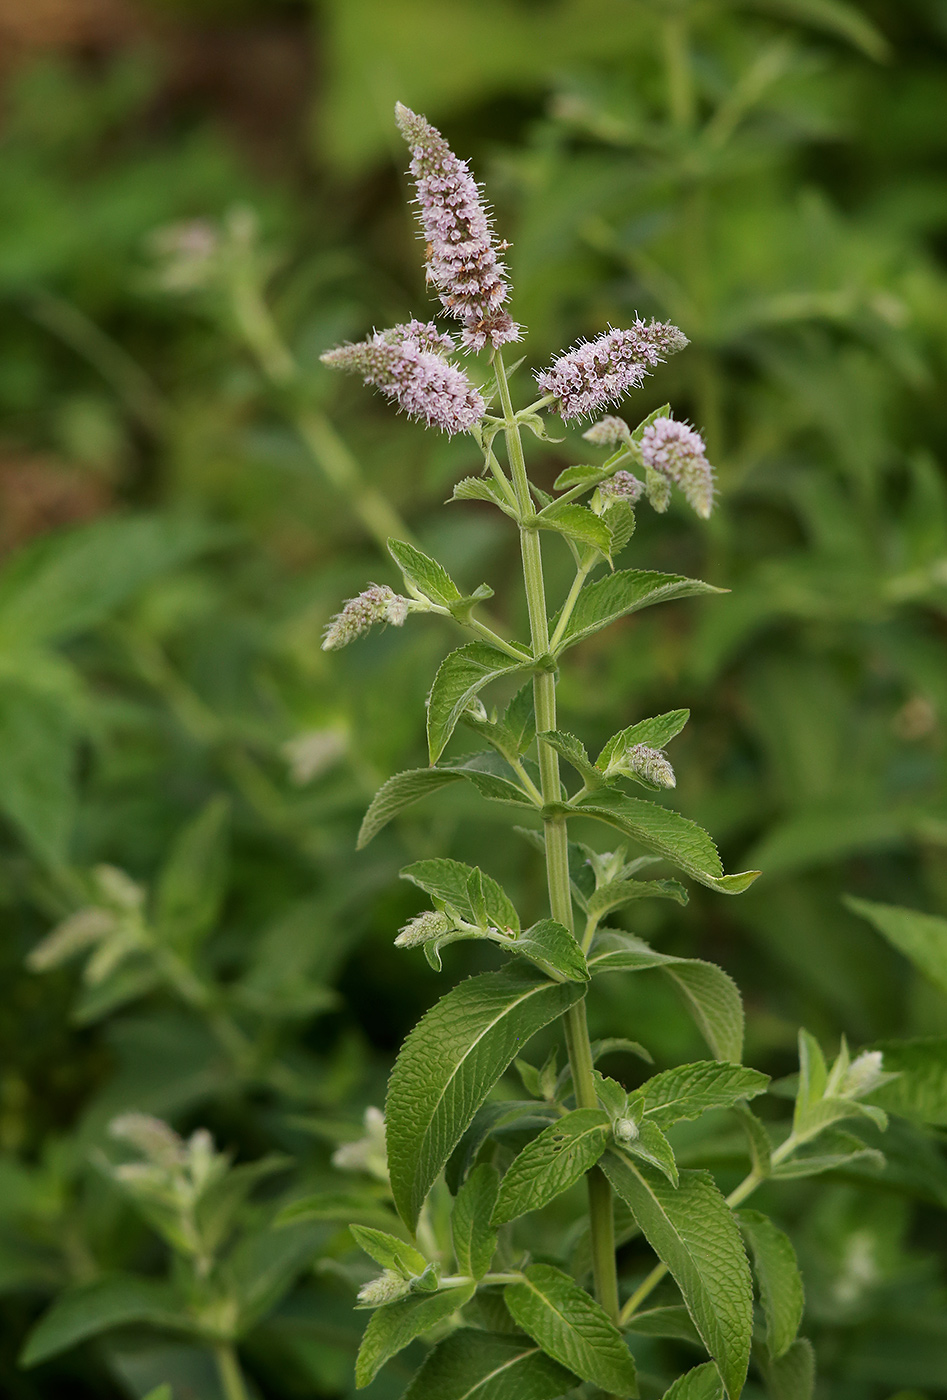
point(232, 1382)
point(601, 1224)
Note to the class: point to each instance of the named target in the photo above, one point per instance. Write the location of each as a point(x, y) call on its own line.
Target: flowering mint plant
point(512, 1319)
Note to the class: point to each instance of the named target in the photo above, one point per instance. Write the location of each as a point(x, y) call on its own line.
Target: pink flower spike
point(461, 258)
point(678, 453)
point(598, 372)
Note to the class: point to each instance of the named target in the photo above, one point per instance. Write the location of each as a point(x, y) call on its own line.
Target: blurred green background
point(772, 176)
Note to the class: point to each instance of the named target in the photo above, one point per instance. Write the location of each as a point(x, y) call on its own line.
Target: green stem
point(232, 1382)
point(601, 1226)
point(578, 584)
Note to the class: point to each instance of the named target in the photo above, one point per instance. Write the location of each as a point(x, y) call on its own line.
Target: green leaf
point(390, 1329)
point(475, 1240)
point(712, 997)
point(777, 1273)
point(655, 732)
point(667, 834)
point(388, 1251)
point(37, 759)
point(573, 751)
point(653, 1147)
point(834, 17)
point(693, 1231)
point(687, 1091)
point(425, 574)
point(162, 1392)
point(193, 882)
point(673, 1321)
point(450, 1062)
point(517, 1115)
point(448, 880)
point(703, 1383)
point(791, 1377)
point(920, 937)
point(265, 1264)
point(620, 520)
point(479, 488)
point(617, 893)
point(404, 789)
point(460, 677)
point(610, 1044)
point(473, 1365)
point(572, 1328)
point(553, 948)
point(920, 1090)
point(627, 591)
point(577, 523)
point(92, 1308)
point(584, 474)
point(663, 412)
point(552, 1162)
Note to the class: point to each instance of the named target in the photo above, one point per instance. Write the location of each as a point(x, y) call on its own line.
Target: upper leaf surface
point(655, 732)
point(425, 574)
point(703, 1383)
point(404, 789)
point(920, 937)
point(552, 1162)
point(450, 1062)
point(475, 1239)
point(687, 1091)
point(552, 947)
point(777, 1273)
point(390, 1329)
point(627, 591)
point(475, 1365)
point(460, 677)
point(577, 523)
point(448, 880)
point(571, 1327)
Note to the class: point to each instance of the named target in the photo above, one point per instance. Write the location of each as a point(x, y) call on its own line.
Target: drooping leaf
point(711, 995)
point(193, 882)
point(450, 1062)
point(552, 1162)
point(460, 677)
point(792, 1376)
point(618, 893)
point(920, 937)
point(572, 1328)
point(627, 591)
point(390, 1329)
point(692, 1229)
point(404, 789)
point(425, 574)
point(474, 1365)
point(667, 834)
point(777, 1273)
point(577, 523)
point(89, 1309)
point(655, 732)
point(448, 880)
point(702, 1383)
point(553, 948)
point(687, 1091)
point(475, 1239)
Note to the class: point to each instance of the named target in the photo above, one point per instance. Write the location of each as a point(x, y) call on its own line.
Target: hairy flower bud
point(625, 1129)
point(386, 1288)
point(461, 257)
point(430, 924)
point(607, 432)
point(152, 1137)
point(598, 372)
point(378, 603)
point(863, 1075)
point(406, 363)
point(674, 450)
point(650, 764)
point(621, 487)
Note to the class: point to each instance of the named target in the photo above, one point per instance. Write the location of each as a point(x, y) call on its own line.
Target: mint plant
point(505, 1323)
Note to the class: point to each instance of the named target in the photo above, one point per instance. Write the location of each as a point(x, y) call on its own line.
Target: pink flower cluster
point(377, 603)
point(461, 257)
point(598, 372)
point(678, 453)
point(407, 364)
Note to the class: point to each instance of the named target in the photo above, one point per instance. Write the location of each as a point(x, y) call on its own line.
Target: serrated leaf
point(572, 1328)
point(425, 574)
point(663, 412)
point(522, 1115)
point(480, 488)
point(693, 1231)
point(627, 591)
point(474, 1365)
point(577, 523)
point(460, 677)
point(777, 1274)
point(702, 1383)
point(392, 1328)
point(673, 1322)
point(620, 522)
point(617, 893)
point(404, 789)
point(448, 881)
point(475, 1240)
point(655, 732)
point(687, 1091)
point(89, 1309)
point(553, 948)
point(667, 834)
point(388, 1251)
point(652, 1146)
point(713, 997)
point(609, 1044)
point(757, 1140)
point(450, 1062)
point(920, 1090)
point(573, 751)
point(584, 474)
point(552, 1162)
point(790, 1377)
point(920, 937)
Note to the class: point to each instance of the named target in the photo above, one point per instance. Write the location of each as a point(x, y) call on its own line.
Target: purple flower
point(677, 452)
point(622, 486)
point(406, 363)
point(461, 258)
point(598, 372)
point(377, 603)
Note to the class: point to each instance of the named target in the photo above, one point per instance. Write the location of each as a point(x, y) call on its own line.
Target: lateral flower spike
point(607, 432)
point(598, 372)
point(378, 603)
point(649, 763)
point(426, 926)
point(461, 257)
point(676, 452)
point(621, 487)
point(388, 1287)
point(407, 364)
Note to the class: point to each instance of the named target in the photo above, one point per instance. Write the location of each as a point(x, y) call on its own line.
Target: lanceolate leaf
point(620, 892)
point(450, 1062)
point(577, 523)
point(552, 947)
point(474, 1365)
point(703, 1383)
point(392, 1328)
point(626, 592)
point(461, 676)
point(92, 1308)
point(687, 1091)
point(792, 1376)
point(667, 834)
point(712, 997)
point(572, 1328)
point(387, 1250)
point(693, 1230)
point(777, 1273)
point(448, 880)
point(475, 1239)
point(655, 732)
point(552, 1163)
point(573, 751)
point(426, 575)
point(404, 789)
point(920, 1090)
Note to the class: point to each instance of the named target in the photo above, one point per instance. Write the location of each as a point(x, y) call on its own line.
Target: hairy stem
point(232, 1382)
point(601, 1224)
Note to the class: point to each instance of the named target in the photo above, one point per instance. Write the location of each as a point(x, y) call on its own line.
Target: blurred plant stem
point(231, 1376)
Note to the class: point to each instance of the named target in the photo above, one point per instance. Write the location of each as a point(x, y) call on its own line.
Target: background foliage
point(770, 175)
